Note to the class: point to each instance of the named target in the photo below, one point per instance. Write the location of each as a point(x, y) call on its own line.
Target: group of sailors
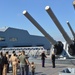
point(20, 60)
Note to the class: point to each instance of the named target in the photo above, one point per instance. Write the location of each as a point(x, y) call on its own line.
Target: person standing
point(43, 56)
point(5, 64)
point(14, 61)
point(7, 55)
point(1, 63)
point(23, 63)
point(53, 59)
point(32, 68)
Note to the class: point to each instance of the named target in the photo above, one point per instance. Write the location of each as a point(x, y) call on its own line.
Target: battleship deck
point(48, 70)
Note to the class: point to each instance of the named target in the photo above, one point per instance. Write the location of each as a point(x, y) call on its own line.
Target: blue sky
point(11, 15)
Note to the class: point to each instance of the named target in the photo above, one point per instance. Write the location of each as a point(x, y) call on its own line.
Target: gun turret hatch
point(55, 20)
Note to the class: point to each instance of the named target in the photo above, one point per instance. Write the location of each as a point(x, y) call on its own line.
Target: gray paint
point(57, 23)
point(38, 26)
point(71, 29)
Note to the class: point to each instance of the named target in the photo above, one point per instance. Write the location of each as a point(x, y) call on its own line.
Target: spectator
point(23, 63)
point(14, 61)
point(7, 55)
point(43, 56)
point(5, 64)
point(1, 63)
point(53, 59)
point(32, 68)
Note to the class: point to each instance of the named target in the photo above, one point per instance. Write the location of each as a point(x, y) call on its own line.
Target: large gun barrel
point(55, 20)
point(71, 29)
point(57, 45)
point(35, 23)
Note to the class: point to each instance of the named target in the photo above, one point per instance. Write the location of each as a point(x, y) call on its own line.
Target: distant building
point(13, 37)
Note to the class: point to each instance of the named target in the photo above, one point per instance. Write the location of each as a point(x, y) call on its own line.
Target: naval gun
point(71, 29)
point(71, 44)
point(51, 40)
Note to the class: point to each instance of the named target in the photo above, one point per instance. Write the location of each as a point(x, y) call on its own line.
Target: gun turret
point(59, 26)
